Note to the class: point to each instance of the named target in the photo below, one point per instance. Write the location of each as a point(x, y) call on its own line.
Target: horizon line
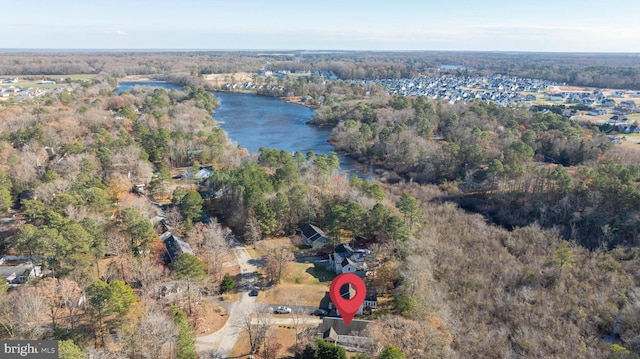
point(49, 50)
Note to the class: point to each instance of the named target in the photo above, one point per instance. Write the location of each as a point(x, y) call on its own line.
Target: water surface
point(255, 121)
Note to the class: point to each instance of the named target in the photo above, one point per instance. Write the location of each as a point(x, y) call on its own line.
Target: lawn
point(302, 284)
point(56, 78)
point(634, 117)
point(263, 247)
point(307, 273)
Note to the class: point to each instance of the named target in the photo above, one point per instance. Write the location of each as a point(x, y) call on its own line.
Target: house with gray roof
point(345, 259)
point(352, 337)
point(174, 246)
point(314, 236)
point(20, 273)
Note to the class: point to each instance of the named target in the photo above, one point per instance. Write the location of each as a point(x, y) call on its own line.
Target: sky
point(458, 25)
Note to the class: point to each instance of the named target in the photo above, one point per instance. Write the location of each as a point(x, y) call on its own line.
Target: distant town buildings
point(501, 90)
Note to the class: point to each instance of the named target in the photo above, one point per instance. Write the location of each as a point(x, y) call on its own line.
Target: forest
point(620, 71)
point(500, 232)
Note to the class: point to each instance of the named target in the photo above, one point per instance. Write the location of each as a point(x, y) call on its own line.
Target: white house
point(345, 259)
point(369, 304)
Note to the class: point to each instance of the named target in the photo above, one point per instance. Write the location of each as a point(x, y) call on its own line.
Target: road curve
point(222, 341)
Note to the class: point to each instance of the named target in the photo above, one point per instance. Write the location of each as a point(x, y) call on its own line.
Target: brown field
point(210, 317)
point(295, 294)
point(221, 79)
point(631, 142)
point(301, 283)
point(285, 335)
point(263, 247)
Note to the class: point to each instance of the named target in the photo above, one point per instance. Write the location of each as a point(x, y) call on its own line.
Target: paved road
point(222, 341)
point(290, 320)
point(297, 309)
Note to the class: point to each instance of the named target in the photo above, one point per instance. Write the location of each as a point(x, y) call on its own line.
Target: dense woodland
point(499, 232)
point(512, 165)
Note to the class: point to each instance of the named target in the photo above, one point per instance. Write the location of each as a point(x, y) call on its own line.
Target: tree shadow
point(321, 272)
point(255, 262)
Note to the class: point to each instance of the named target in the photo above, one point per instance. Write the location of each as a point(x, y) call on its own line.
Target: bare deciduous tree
point(28, 308)
point(256, 323)
point(417, 339)
point(211, 243)
point(275, 263)
point(152, 337)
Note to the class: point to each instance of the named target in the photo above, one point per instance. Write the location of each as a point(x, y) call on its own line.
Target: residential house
point(597, 112)
point(617, 120)
point(347, 260)
point(20, 273)
point(556, 97)
point(174, 246)
point(314, 236)
point(351, 337)
point(368, 306)
point(628, 104)
point(622, 111)
point(202, 174)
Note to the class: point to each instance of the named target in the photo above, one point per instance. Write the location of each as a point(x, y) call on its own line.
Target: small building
point(174, 246)
point(314, 236)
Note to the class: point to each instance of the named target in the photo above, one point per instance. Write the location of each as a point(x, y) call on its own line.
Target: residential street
point(222, 341)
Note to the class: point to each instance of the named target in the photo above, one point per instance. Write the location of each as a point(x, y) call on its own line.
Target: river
point(255, 121)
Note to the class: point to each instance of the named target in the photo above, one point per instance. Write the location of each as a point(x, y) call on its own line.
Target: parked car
point(283, 310)
point(320, 312)
point(253, 293)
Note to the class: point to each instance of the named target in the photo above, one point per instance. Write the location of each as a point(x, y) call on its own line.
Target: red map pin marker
point(348, 307)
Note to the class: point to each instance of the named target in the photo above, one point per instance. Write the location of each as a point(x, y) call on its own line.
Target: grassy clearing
point(307, 273)
point(634, 117)
point(295, 294)
point(35, 84)
point(253, 252)
point(302, 284)
point(263, 247)
point(59, 79)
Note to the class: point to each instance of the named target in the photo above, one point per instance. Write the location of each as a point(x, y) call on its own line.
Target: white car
point(283, 310)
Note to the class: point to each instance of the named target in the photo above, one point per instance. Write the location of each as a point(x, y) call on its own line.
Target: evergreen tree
point(326, 350)
point(391, 353)
point(227, 284)
point(67, 349)
point(186, 342)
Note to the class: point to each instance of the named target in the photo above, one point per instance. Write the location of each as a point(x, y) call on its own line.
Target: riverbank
point(296, 100)
point(214, 82)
